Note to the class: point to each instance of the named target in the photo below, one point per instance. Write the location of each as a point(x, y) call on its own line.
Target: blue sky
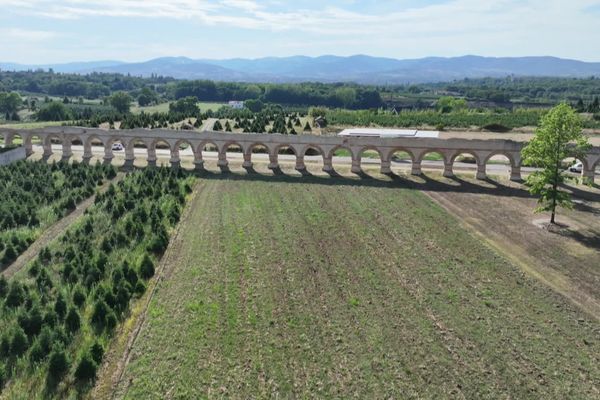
point(52, 31)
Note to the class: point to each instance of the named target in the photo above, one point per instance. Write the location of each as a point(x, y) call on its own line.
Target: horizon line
point(39, 64)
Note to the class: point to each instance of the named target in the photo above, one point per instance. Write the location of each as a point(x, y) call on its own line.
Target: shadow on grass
point(363, 179)
point(591, 240)
point(588, 238)
point(586, 208)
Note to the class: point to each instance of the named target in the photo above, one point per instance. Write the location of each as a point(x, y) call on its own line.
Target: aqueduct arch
point(385, 168)
point(513, 158)
point(481, 173)
point(254, 148)
point(282, 149)
point(314, 150)
point(416, 148)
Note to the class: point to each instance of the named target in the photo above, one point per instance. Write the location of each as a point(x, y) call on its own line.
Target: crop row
point(58, 316)
point(456, 119)
point(35, 195)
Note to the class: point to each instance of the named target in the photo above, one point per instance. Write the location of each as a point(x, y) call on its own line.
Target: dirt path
point(208, 124)
point(117, 356)
point(53, 232)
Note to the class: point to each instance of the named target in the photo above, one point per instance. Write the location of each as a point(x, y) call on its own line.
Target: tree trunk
point(555, 184)
point(554, 194)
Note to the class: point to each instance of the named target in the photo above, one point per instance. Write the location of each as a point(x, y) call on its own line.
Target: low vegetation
point(58, 315)
point(360, 291)
point(35, 195)
point(498, 121)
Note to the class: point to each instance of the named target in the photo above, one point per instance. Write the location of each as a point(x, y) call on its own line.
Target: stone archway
point(182, 148)
point(468, 157)
point(401, 157)
point(136, 150)
point(160, 152)
point(432, 158)
point(311, 159)
point(502, 158)
point(283, 153)
point(257, 149)
point(371, 155)
point(50, 140)
point(31, 140)
point(234, 149)
point(207, 149)
point(342, 153)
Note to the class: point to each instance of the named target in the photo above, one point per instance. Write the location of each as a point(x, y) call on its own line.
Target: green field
point(328, 290)
point(30, 125)
point(164, 107)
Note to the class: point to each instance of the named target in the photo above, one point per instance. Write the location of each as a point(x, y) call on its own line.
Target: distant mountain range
point(359, 68)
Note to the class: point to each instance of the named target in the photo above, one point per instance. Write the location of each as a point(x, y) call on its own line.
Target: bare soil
point(565, 256)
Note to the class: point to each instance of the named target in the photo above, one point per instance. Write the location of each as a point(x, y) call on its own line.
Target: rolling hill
point(359, 68)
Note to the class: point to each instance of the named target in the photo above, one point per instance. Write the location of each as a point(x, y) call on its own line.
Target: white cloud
point(456, 15)
point(27, 34)
point(246, 5)
point(454, 27)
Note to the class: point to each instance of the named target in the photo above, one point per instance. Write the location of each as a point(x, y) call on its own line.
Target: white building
point(388, 133)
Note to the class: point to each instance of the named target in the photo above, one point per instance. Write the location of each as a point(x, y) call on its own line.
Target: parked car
point(577, 167)
point(117, 147)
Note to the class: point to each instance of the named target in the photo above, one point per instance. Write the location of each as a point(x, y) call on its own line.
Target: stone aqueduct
point(417, 148)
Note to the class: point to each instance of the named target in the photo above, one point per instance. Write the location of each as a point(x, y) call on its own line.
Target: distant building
point(236, 105)
point(388, 133)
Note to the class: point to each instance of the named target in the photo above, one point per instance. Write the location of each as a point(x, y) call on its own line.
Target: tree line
point(90, 86)
point(149, 90)
point(100, 85)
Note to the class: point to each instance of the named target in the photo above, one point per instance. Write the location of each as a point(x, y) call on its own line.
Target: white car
point(117, 147)
point(577, 167)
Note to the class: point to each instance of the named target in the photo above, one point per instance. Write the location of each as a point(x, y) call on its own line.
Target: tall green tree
point(254, 105)
point(53, 111)
point(448, 104)
point(346, 96)
point(146, 97)
point(121, 101)
point(559, 136)
point(9, 104)
point(187, 106)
